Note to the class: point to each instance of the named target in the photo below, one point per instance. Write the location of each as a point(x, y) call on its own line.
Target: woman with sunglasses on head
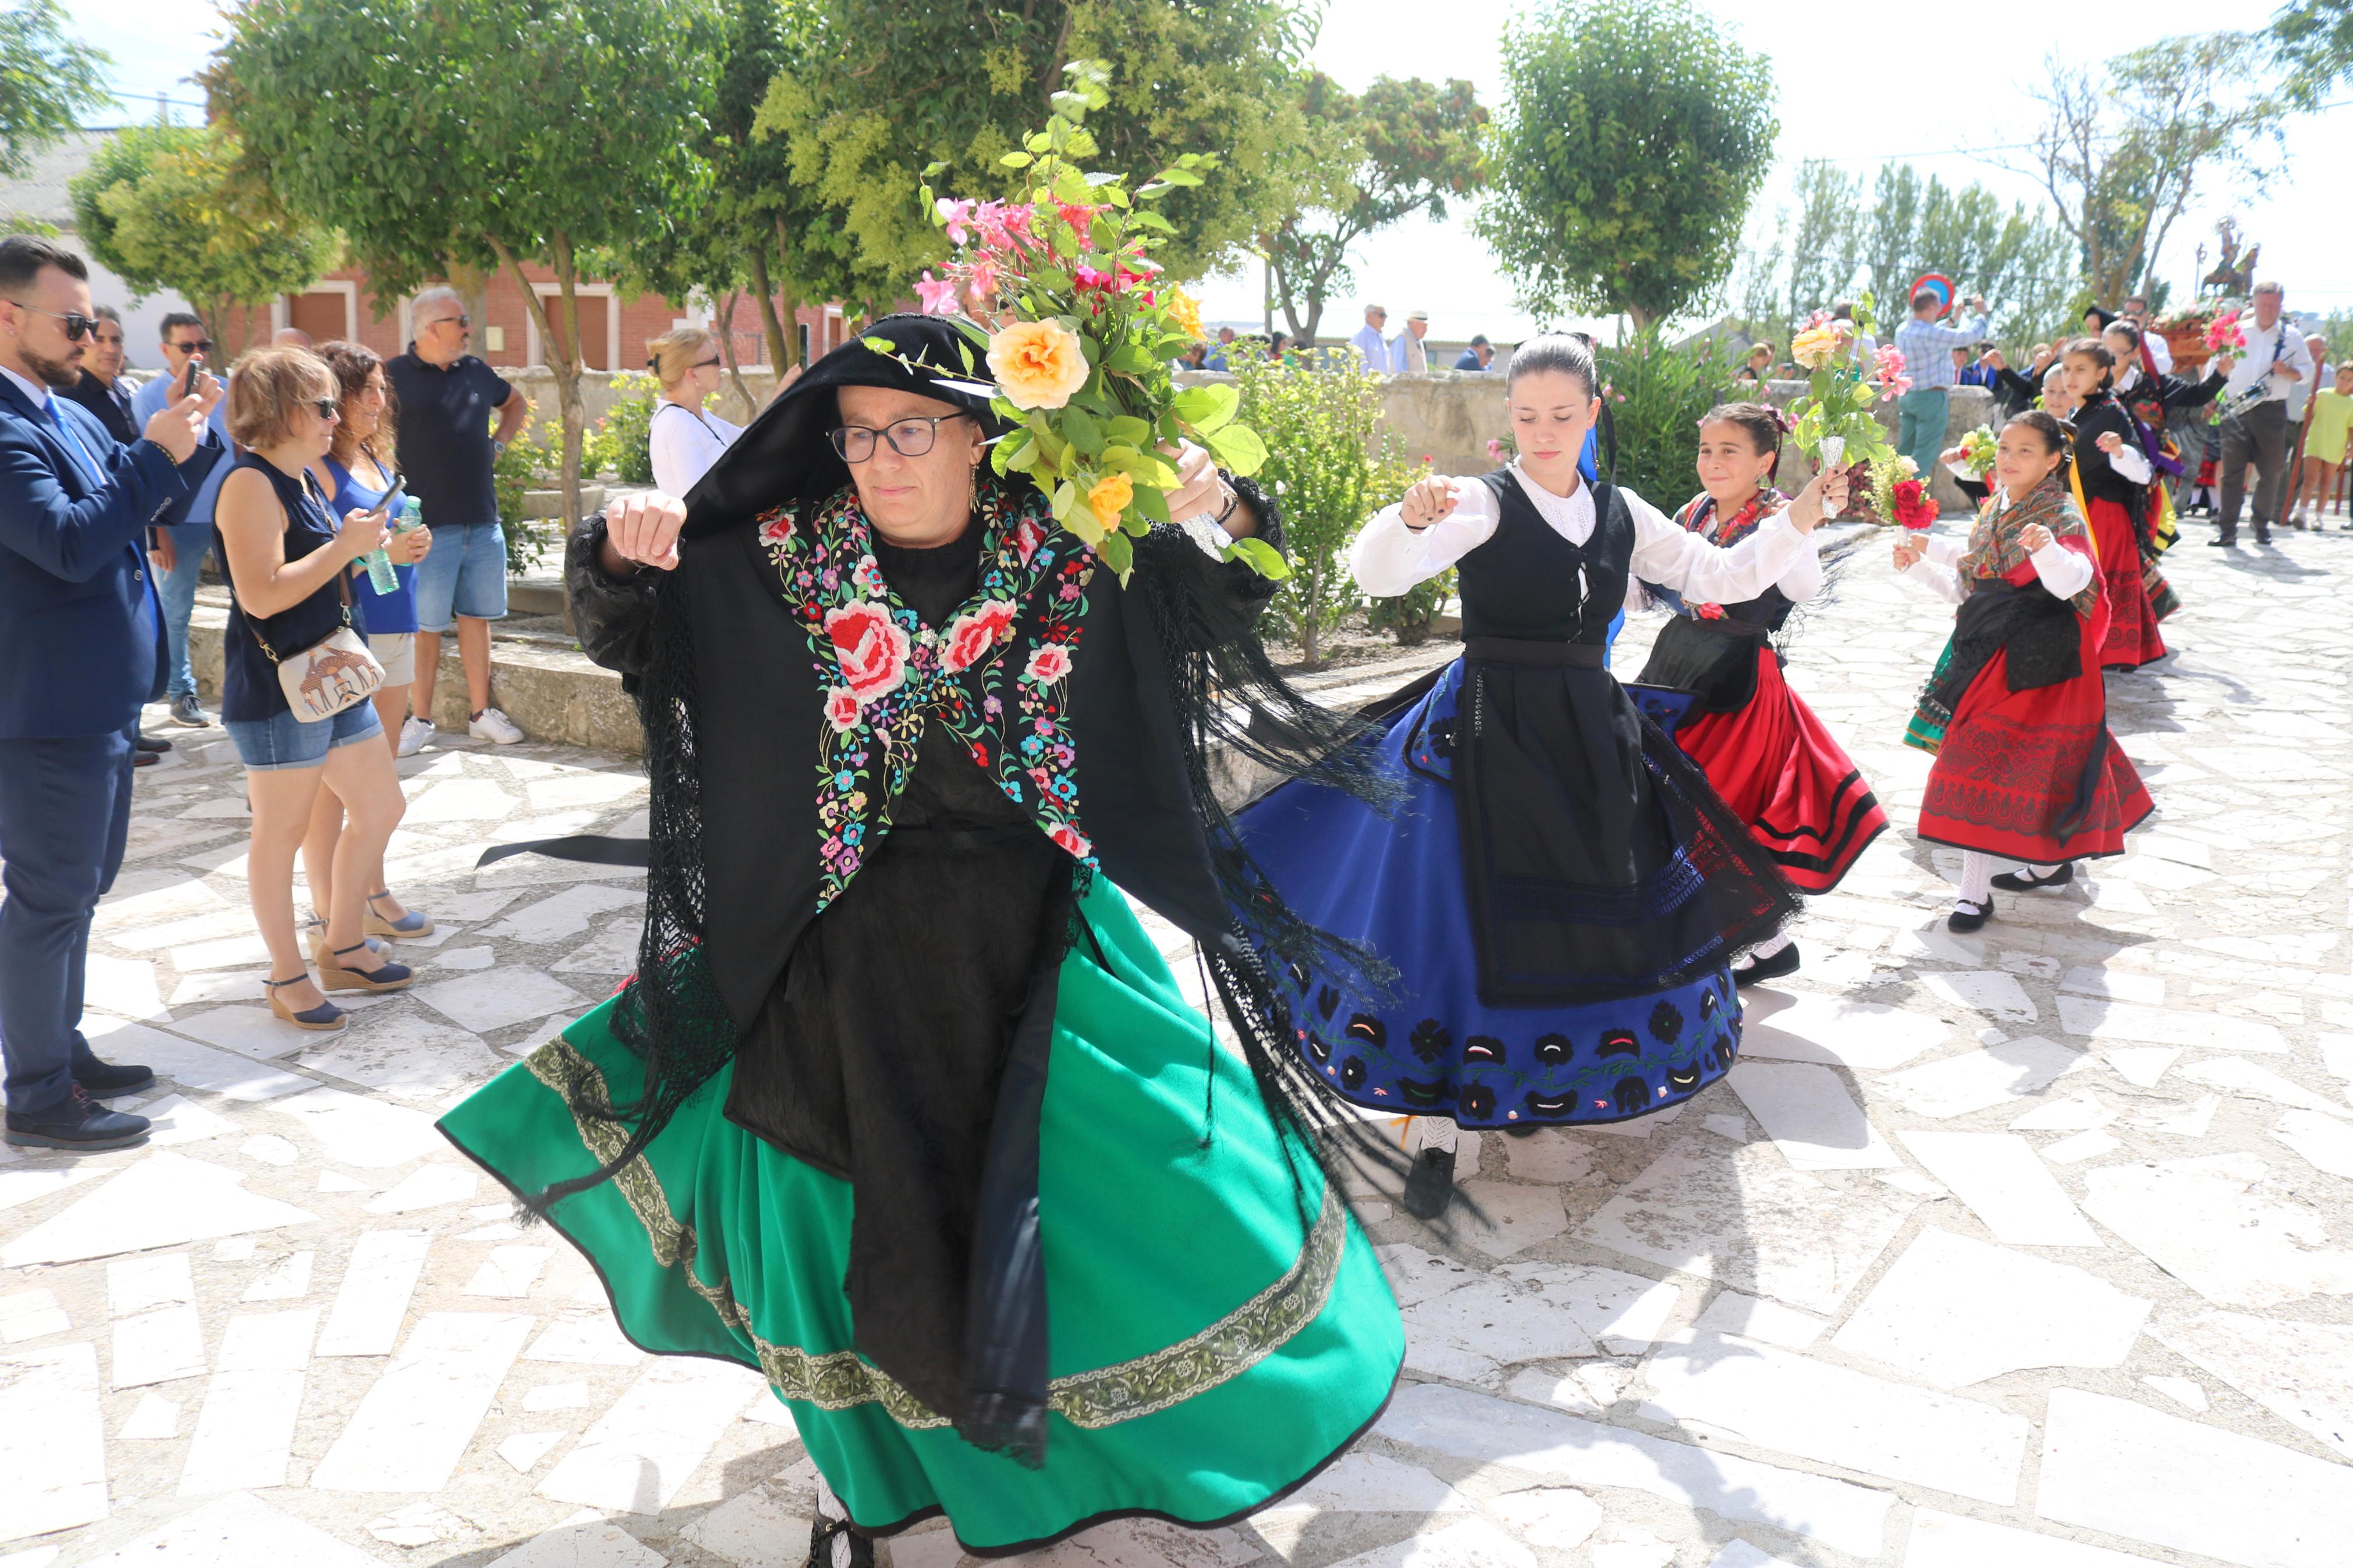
point(903, 1107)
point(285, 559)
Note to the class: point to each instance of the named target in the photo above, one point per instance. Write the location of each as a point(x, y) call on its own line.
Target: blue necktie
point(73, 444)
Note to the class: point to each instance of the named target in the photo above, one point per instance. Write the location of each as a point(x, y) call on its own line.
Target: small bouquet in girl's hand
point(1079, 363)
point(1898, 493)
point(1977, 452)
point(1835, 425)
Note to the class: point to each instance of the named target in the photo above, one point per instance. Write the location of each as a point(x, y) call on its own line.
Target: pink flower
point(1070, 840)
point(982, 280)
point(939, 299)
point(1026, 537)
point(1889, 365)
point(1048, 664)
point(1494, 450)
point(867, 576)
point(972, 636)
point(871, 648)
point(1085, 277)
point(842, 710)
point(956, 214)
point(777, 532)
point(1080, 216)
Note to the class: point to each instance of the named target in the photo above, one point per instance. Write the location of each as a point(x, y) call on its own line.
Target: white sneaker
point(414, 733)
point(495, 726)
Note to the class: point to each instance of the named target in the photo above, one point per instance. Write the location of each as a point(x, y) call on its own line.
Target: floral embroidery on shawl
point(1699, 516)
point(1994, 549)
point(997, 675)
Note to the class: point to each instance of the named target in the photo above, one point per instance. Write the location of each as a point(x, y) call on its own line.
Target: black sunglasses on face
point(201, 346)
point(704, 365)
point(328, 408)
point(77, 326)
point(908, 438)
point(460, 320)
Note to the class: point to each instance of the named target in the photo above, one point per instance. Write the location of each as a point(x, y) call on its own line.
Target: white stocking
point(1977, 877)
point(1436, 1132)
point(2041, 872)
point(1768, 948)
point(829, 1508)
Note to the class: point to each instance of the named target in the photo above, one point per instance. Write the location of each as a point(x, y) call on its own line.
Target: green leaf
point(1128, 430)
point(1116, 553)
point(1016, 160)
point(1131, 359)
point(1207, 408)
point(1263, 558)
point(1079, 428)
point(1066, 496)
point(1236, 448)
point(1151, 502)
point(1178, 175)
point(881, 346)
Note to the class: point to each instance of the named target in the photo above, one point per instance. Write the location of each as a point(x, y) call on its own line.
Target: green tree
point(47, 81)
point(1634, 137)
point(2315, 41)
point(480, 132)
point(883, 91)
point(2123, 149)
point(1402, 148)
point(2020, 260)
point(171, 207)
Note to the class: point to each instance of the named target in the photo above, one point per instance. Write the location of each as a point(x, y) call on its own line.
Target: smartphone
point(195, 369)
point(396, 500)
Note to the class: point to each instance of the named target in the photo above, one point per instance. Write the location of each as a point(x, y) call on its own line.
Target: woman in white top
point(685, 439)
point(1559, 893)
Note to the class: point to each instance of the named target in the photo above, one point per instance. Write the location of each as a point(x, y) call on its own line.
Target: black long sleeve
point(612, 617)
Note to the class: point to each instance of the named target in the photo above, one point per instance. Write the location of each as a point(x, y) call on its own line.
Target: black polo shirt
point(111, 403)
point(445, 435)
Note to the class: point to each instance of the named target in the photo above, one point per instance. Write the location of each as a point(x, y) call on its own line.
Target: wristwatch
point(498, 448)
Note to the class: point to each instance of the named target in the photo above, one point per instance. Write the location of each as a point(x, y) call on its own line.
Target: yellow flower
point(1109, 498)
point(1184, 314)
point(1813, 347)
point(1038, 365)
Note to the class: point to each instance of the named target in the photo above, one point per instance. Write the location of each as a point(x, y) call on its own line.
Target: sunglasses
point(77, 326)
point(463, 321)
point(201, 346)
point(704, 365)
point(327, 407)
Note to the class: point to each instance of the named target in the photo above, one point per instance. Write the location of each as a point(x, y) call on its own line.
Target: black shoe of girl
point(1782, 962)
point(1968, 916)
point(1431, 1185)
point(827, 1540)
point(2024, 880)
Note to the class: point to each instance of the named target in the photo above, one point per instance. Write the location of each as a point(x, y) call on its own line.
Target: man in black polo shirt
point(445, 398)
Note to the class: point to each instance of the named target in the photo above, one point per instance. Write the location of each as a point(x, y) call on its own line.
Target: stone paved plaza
point(2031, 1250)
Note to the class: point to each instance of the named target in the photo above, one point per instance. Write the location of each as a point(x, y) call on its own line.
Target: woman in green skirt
point(902, 1108)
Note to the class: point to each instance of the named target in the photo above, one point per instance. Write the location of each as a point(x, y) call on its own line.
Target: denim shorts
point(464, 574)
point(266, 745)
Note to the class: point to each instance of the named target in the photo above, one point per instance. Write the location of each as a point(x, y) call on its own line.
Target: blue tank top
point(250, 688)
point(375, 613)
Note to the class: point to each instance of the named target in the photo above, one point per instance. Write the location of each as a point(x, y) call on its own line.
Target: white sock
point(1436, 1132)
point(1977, 877)
point(2044, 873)
point(1768, 947)
point(829, 1506)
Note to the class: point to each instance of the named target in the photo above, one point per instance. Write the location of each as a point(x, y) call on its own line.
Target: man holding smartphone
point(185, 532)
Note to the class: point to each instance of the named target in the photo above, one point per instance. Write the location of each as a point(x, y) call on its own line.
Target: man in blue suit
point(80, 646)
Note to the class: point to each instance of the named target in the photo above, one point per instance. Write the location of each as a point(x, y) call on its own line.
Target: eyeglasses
point(466, 321)
point(328, 409)
point(77, 326)
point(908, 438)
point(201, 346)
point(704, 365)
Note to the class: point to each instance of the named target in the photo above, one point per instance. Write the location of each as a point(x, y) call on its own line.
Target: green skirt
point(1208, 1351)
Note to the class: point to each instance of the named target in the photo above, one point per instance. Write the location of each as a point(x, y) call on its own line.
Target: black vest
point(1528, 582)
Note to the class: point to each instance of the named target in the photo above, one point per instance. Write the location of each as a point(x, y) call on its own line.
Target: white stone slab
point(1472, 1543)
point(355, 1130)
point(210, 986)
point(461, 800)
point(2141, 1065)
point(1806, 1111)
point(752, 1529)
point(245, 1432)
point(1741, 1554)
point(179, 1120)
point(1471, 1330)
point(30, 1186)
point(1517, 1217)
point(406, 1056)
point(2245, 1078)
point(1556, 1519)
point(188, 1064)
point(1624, 1312)
point(157, 1343)
point(2081, 1146)
point(1952, 1540)
point(2217, 1225)
point(613, 951)
point(163, 1200)
point(237, 1531)
point(248, 1030)
point(1555, 1446)
point(125, 986)
point(2302, 1372)
point(427, 1188)
point(2120, 1466)
point(2186, 1391)
point(585, 1334)
point(413, 1425)
point(1952, 1311)
point(565, 915)
point(1988, 1076)
point(1837, 1031)
point(373, 1296)
point(1750, 1318)
point(2000, 1177)
point(524, 1450)
point(2191, 1121)
point(2324, 1141)
point(2078, 1113)
point(52, 1440)
point(497, 998)
point(2116, 984)
point(289, 1279)
point(155, 1419)
point(2106, 1020)
point(583, 1540)
point(1743, 1217)
point(508, 1271)
point(644, 1448)
point(1988, 992)
point(270, 1149)
point(29, 1315)
point(1778, 1399)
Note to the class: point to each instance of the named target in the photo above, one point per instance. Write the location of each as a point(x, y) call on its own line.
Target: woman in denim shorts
point(285, 564)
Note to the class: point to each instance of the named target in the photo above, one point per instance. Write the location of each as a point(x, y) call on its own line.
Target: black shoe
point(2026, 881)
point(2262, 536)
point(1522, 1129)
point(2223, 542)
point(144, 759)
point(824, 1531)
point(1969, 917)
point(1431, 1184)
point(80, 1123)
point(153, 743)
point(1782, 962)
point(106, 1081)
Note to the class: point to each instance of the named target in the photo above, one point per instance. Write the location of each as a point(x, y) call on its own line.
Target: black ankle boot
point(1431, 1185)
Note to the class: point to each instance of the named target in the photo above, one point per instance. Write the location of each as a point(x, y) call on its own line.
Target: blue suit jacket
point(81, 633)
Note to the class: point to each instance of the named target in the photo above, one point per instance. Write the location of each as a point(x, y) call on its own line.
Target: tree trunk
point(727, 351)
point(768, 322)
point(1641, 318)
point(562, 355)
point(1311, 613)
point(473, 286)
point(790, 305)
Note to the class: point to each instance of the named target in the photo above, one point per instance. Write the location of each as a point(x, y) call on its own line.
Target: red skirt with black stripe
point(2132, 640)
point(1779, 768)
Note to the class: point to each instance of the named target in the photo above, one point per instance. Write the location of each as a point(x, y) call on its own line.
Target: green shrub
point(528, 463)
point(1655, 394)
point(619, 438)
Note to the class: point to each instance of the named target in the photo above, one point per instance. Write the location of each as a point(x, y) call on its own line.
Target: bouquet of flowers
point(1085, 326)
point(2223, 332)
point(1898, 491)
point(1977, 452)
point(1835, 425)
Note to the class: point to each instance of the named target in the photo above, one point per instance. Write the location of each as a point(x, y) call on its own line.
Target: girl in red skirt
point(1800, 794)
point(2016, 712)
point(2112, 483)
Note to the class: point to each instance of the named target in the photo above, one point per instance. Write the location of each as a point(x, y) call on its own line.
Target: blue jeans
point(465, 574)
point(178, 592)
point(65, 810)
point(1920, 427)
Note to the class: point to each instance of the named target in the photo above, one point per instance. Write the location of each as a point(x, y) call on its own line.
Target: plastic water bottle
point(381, 577)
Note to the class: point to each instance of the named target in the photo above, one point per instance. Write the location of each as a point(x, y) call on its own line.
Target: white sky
point(1848, 111)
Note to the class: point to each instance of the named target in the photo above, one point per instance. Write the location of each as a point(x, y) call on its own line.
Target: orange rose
point(1038, 365)
point(1184, 314)
point(1109, 498)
